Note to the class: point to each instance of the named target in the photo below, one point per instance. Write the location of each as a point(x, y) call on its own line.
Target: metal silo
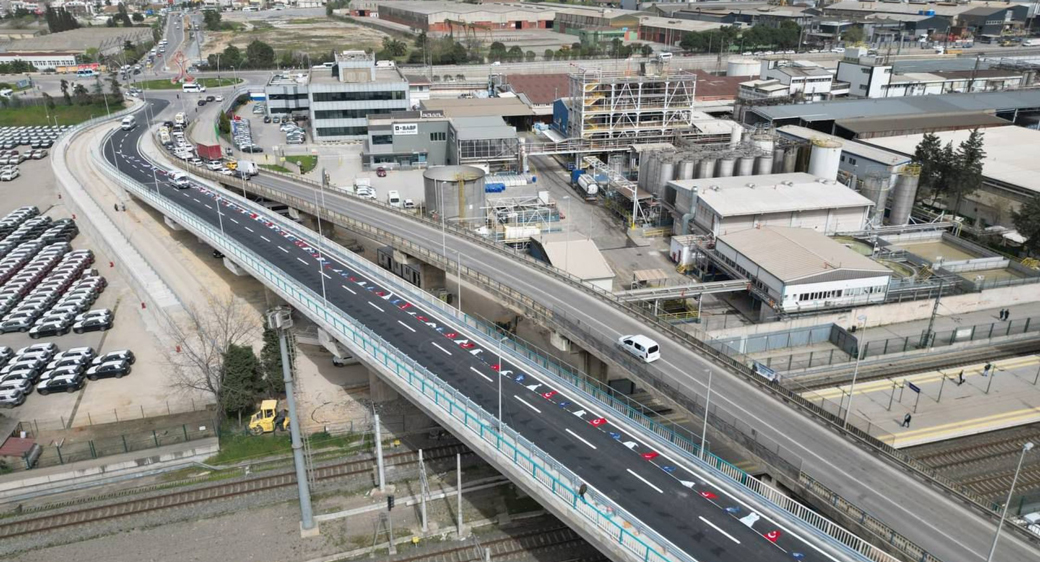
point(763, 141)
point(903, 195)
point(644, 170)
point(764, 165)
point(791, 160)
point(725, 167)
point(454, 192)
point(746, 166)
point(686, 168)
point(778, 160)
point(706, 168)
point(875, 188)
point(825, 158)
point(666, 173)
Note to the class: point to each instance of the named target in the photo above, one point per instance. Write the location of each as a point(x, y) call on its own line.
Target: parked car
point(381, 172)
point(49, 329)
point(117, 369)
point(120, 355)
point(66, 383)
point(94, 324)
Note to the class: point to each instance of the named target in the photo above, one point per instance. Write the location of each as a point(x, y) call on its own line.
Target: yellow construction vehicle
point(269, 418)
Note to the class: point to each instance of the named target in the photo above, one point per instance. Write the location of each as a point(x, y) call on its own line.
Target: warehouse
point(447, 17)
point(40, 61)
point(417, 139)
point(730, 204)
point(1010, 173)
point(800, 270)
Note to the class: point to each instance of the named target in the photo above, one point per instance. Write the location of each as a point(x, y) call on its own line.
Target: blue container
point(575, 174)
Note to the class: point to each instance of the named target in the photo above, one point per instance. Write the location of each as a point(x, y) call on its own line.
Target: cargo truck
point(210, 151)
point(584, 184)
point(247, 167)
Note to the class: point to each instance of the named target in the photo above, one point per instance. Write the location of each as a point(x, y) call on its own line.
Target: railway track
point(217, 492)
point(534, 540)
point(987, 451)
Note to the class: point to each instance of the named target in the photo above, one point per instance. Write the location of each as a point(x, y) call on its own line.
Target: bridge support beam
point(341, 356)
point(594, 367)
point(378, 390)
point(171, 223)
point(560, 341)
point(234, 268)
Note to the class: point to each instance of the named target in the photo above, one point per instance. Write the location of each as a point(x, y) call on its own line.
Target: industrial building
point(795, 270)
point(724, 205)
point(448, 17)
point(670, 31)
point(40, 61)
point(340, 99)
point(512, 109)
point(858, 160)
point(873, 77)
point(627, 108)
point(805, 80)
point(1011, 172)
point(597, 25)
point(828, 116)
point(419, 139)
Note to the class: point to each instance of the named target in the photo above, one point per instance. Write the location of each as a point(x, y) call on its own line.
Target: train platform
point(940, 405)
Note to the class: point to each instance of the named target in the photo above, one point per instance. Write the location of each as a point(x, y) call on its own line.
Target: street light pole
point(704, 427)
point(855, 371)
point(993, 549)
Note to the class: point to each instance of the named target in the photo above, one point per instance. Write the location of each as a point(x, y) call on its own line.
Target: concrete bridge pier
point(378, 390)
point(341, 356)
point(234, 268)
point(171, 223)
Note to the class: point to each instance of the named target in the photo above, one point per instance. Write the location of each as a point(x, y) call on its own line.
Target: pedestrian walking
point(906, 420)
point(986, 369)
point(582, 489)
point(116, 207)
point(960, 377)
point(1007, 313)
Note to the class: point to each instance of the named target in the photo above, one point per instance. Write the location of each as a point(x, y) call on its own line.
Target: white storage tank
point(903, 195)
point(666, 174)
point(791, 160)
point(454, 192)
point(778, 160)
point(686, 169)
point(706, 168)
point(763, 165)
point(825, 158)
point(725, 167)
point(743, 67)
point(746, 166)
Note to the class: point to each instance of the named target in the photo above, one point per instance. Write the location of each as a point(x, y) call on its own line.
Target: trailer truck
point(584, 184)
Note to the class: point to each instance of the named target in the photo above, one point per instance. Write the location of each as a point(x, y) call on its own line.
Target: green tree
point(926, 155)
point(65, 91)
point(646, 50)
point(549, 54)
point(241, 379)
point(259, 55)
point(1027, 222)
point(853, 35)
point(211, 20)
point(113, 86)
point(110, 22)
point(48, 101)
point(966, 172)
point(515, 53)
point(81, 95)
point(394, 47)
point(137, 17)
point(496, 52)
point(224, 124)
point(96, 88)
point(271, 364)
point(530, 56)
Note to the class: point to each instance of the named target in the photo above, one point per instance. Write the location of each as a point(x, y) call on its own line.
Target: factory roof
point(578, 256)
point(479, 128)
point(1006, 160)
point(945, 9)
point(912, 105)
point(541, 89)
point(712, 87)
point(854, 148)
point(773, 85)
point(799, 70)
point(772, 193)
point(792, 254)
point(869, 125)
point(436, 7)
point(679, 24)
point(479, 107)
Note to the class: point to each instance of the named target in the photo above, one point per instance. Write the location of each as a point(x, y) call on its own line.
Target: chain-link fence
point(114, 415)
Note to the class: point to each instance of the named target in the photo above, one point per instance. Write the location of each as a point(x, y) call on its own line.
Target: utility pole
point(379, 455)
point(458, 493)
point(424, 490)
point(280, 320)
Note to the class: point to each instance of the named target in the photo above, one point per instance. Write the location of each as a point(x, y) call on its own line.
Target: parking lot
point(144, 392)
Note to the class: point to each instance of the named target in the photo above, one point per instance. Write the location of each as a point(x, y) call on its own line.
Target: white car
point(9, 175)
point(214, 165)
point(218, 98)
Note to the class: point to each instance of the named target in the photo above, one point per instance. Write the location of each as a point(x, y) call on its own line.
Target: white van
point(192, 87)
point(393, 198)
point(180, 180)
point(86, 73)
point(128, 123)
point(6, 92)
point(664, 56)
point(641, 347)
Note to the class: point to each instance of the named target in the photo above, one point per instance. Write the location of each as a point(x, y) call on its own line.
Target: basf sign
point(406, 128)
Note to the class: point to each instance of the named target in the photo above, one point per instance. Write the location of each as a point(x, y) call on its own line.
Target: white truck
point(248, 167)
point(587, 187)
point(180, 121)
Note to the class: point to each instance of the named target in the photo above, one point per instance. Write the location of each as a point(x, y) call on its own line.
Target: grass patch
point(306, 162)
point(67, 114)
point(207, 82)
point(275, 168)
point(240, 446)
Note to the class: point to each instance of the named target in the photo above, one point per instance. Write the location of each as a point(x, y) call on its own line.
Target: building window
point(273, 96)
point(348, 113)
point(341, 131)
point(360, 96)
point(852, 161)
point(438, 137)
point(382, 139)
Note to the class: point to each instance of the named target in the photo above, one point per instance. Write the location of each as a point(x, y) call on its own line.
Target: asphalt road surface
point(675, 500)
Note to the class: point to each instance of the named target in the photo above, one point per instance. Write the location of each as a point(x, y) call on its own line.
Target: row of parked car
point(40, 136)
point(46, 288)
point(294, 134)
point(242, 134)
point(43, 368)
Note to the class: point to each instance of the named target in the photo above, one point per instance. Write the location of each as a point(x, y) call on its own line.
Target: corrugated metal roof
point(920, 122)
point(914, 105)
point(754, 195)
point(479, 107)
point(854, 148)
point(579, 257)
point(473, 128)
point(792, 254)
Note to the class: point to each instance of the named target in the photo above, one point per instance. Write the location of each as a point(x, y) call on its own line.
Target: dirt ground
point(311, 35)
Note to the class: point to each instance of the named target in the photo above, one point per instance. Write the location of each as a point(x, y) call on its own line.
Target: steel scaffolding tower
point(611, 105)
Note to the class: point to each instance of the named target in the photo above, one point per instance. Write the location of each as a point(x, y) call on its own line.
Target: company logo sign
point(406, 128)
